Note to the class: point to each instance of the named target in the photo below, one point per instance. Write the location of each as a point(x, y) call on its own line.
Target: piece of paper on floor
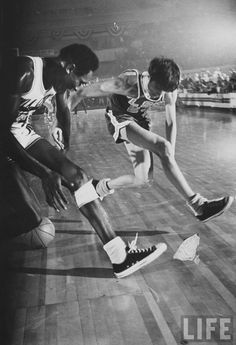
point(188, 249)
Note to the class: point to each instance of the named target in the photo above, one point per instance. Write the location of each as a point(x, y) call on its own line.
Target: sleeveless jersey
point(36, 96)
point(138, 107)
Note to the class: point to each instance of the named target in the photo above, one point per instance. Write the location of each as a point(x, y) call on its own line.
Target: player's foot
point(102, 188)
point(205, 210)
point(138, 258)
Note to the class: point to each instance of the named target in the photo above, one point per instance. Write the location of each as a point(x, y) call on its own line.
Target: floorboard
point(67, 294)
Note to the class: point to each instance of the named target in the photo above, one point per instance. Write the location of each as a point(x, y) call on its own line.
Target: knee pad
point(85, 194)
point(91, 191)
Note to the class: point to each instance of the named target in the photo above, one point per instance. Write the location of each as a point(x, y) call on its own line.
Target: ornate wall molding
point(29, 37)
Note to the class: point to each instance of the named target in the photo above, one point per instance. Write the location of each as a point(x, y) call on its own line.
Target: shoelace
point(198, 200)
point(133, 246)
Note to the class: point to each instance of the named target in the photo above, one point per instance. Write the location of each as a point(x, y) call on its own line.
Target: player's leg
point(48, 155)
point(142, 162)
point(125, 260)
point(19, 209)
point(203, 209)
point(83, 187)
point(163, 149)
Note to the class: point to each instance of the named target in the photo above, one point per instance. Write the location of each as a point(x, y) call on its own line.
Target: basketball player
point(32, 80)
point(133, 94)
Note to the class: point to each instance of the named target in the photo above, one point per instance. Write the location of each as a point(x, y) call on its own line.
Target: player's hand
point(52, 187)
point(58, 138)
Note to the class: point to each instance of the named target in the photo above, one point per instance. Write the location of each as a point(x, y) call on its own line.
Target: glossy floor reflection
point(67, 294)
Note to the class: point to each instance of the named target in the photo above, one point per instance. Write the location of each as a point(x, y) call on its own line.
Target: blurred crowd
point(209, 82)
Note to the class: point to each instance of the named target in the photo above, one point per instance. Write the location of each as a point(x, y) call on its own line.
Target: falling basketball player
point(31, 81)
point(132, 95)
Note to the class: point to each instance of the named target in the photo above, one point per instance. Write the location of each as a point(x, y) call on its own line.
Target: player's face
point(154, 89)
point(84, 79)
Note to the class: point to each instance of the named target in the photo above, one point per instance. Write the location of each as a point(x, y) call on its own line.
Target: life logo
point(207, 329)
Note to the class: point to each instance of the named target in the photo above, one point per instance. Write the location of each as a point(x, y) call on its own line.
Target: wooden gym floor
point(67, 294)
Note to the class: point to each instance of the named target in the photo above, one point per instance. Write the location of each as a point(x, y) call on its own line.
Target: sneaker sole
point(227, 206)
point(161, 248)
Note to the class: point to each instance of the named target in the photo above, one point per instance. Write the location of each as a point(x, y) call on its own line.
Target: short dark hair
point(165, 72)
point(82, 56)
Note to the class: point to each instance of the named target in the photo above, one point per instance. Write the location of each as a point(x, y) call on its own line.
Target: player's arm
point(61, 132)
point(51, 181)
point(10, 147)
point(170, 110)
point(122, 85)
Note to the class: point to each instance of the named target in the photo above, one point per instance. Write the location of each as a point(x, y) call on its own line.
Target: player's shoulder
point(25, 61)
point(22, 72)
point(21, 65)
point(129, 77)
point(130, 73)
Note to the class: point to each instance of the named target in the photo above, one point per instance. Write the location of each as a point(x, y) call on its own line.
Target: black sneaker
point(209, 209)
point(137, 258)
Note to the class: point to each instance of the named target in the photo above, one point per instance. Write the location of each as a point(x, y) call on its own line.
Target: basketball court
point(67, 294)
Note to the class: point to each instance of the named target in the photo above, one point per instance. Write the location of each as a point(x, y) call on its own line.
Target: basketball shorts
point(24, 133)
point(115, 124)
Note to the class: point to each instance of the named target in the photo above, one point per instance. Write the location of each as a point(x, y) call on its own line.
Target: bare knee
point(165, 152)
point(75, 177)
point(80, 177)
point(141, 181)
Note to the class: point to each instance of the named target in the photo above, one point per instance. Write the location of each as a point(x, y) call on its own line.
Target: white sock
point(196, 202)
point(85, 194)
point(103, 189)
point(116, 250)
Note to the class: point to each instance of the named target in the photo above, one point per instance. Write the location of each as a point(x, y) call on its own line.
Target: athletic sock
point(102, 188)
point(196, 202)
point(116, 250)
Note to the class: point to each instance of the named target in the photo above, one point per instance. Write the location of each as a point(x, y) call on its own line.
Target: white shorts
point(24, 134)
point(117, 126)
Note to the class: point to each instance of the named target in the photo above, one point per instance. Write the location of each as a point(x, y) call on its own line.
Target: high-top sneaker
point(137, 258)
point(205, 209)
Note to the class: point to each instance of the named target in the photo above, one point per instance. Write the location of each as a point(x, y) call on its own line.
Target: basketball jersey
point(135, 107)
point(37, 95)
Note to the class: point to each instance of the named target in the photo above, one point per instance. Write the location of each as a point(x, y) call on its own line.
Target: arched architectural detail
point(83, 33)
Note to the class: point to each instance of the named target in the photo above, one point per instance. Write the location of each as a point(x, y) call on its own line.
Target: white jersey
point(37, 95)
point(29, 102)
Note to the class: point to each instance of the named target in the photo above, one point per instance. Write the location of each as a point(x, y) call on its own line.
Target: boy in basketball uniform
point(32, 81)
point(132, 95)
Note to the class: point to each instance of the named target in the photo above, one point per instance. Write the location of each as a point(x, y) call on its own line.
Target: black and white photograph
point(118, 172)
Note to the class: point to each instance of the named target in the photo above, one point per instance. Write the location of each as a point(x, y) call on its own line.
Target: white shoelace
point(132, 245)
point(198, 200)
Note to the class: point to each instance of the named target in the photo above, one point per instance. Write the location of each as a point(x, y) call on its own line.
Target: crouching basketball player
point(32, 80)
point(132, 95)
